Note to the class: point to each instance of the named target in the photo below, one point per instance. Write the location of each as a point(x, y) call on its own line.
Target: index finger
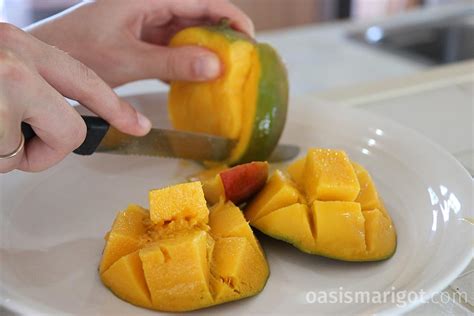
point(214, 9)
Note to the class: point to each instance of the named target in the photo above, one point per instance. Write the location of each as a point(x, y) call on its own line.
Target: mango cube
point(340, 228)
point(296, 171)
point(238, 269)
point(380, 234)
point(278, 192)
point(124, 237)
point(177, 272)
point(290, 223)
point(368, 196)
point(329, 176)
point(179, 202)
point(126, 277)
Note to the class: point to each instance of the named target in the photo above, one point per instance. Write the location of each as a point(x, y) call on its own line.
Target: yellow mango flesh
point(227, 220)
point(329, 176)
point(277, 193)
point(177, 272)
point(296, 171)
point(239, 270)
point(213, 189)
point(125, 235)
point(126, 277)
point(355, 228)
point(222, 96)
point(181, 202)
point(290, 223)
point(186, 258)
point(368, 196)
point(380, 235)
point(340, 229)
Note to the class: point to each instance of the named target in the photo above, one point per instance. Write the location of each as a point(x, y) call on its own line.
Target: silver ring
point(16, 151)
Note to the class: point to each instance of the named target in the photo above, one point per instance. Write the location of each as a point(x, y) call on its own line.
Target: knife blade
point(101, 137)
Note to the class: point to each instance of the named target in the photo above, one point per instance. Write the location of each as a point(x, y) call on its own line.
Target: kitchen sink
point(442, 41)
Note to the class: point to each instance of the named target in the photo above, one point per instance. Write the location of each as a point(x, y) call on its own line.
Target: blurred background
point(267, 14)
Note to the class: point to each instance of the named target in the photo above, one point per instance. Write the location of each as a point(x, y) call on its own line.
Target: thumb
point(187, 63)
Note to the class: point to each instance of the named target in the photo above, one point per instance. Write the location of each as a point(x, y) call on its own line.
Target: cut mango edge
point(313, 232)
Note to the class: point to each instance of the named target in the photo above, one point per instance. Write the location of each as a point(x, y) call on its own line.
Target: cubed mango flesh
point(329, 176)
point(342, 217)
point(277, 193)
point(125, 235)
point(227, 220)
point(380, 235)
point(290, 223)
point(239, 270)
point(296, 171)
point(177, 272)
point(368, 196)
point(168, 266)
point(127, 280)
point(340, 230)
point(181, 202)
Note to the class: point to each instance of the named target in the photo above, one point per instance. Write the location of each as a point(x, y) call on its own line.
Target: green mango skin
point(272, 106)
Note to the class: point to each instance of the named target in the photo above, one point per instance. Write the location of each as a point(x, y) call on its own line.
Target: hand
point(34, 79)
point(124, 40)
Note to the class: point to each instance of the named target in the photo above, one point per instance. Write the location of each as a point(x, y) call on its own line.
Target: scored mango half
point(329, 206)
point(179, 256)
point(248, 102)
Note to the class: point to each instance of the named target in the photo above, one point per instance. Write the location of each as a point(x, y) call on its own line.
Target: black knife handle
point(96, 130)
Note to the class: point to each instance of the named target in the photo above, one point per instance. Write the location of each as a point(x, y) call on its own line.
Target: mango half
point(329, 207)
point(248, 102)
point(179, 256)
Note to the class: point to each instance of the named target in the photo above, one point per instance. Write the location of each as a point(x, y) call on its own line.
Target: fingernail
point(206, 67)
point(143, 121)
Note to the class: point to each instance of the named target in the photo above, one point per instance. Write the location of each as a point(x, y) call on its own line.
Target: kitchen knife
point(101, 137)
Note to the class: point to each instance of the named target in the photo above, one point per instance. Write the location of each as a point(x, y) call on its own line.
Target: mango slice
point(178, 257)
point(329, 176)
point(341, 216)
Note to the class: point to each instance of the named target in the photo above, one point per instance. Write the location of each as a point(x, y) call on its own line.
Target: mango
point(127, 279)
point(296, 171)
point(179, 257)
point(125, 235)
point(340, 230)
point(248, 102)
point(236, 184)
point(333, 210)
point(277, 193)
point(177, 272)
point(329, 176)
point(290, 223)
point(177, 203)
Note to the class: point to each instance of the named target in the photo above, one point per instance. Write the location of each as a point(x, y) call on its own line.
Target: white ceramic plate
point(53, 223)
